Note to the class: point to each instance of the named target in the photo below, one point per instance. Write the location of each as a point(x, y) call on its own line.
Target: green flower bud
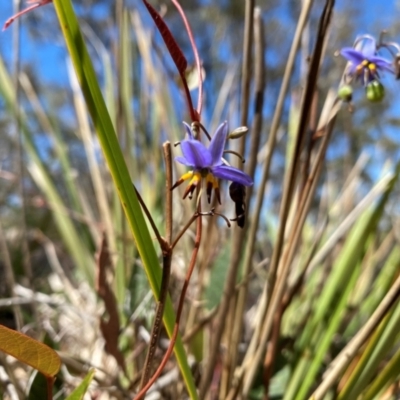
point(345, 93)
point(375, 91)
point(238, 132)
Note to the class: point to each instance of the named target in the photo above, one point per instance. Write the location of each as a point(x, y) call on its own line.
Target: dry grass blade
point(238, 234)
point(312, 276)
point(278, 291)
point(259, 82)
point(265, 175)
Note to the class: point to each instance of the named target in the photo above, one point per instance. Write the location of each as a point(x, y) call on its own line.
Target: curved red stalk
point(168, 353)
point(172, 46)
point(26, 10)
point(176, 54)
point(196, 56)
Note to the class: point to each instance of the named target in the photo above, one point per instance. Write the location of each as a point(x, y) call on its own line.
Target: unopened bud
point(375, 91)
point(238, 132)
point(345, 93)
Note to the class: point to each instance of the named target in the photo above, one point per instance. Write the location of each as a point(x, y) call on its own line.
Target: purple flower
point(365, 63)
point(207, 164)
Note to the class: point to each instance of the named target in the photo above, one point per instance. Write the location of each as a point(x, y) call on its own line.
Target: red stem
point(196, 56)
point(49, 381)
point(176, 54)
point(26, 10)
point(168, 353)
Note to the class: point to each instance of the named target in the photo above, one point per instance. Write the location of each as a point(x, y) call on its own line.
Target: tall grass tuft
point(155, 278)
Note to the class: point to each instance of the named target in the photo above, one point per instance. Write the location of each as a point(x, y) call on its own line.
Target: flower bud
point(375, 91)
point(238, 132)
point(345, 93)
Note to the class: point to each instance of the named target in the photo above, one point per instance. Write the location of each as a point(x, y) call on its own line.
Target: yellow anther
point(196, 178)
point(187, 176)
point(210, 178)
point(192, 185)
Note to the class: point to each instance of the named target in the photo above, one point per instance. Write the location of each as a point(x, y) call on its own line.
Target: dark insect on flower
point(207, 163)
point(365, 64)
point(237, 192)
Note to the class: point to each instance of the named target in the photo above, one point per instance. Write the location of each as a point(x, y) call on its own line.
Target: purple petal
point(217, 144)
point(382, 63)
point(232, 174)
point(188, 130)
point(183, 161)
point(368, 47)
point(354, 56)
point(196, 154)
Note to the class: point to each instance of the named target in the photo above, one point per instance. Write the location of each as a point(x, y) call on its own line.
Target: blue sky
point(49, 58)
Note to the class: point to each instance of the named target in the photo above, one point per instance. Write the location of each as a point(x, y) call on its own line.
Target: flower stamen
point(183, 178)
point(192, 185)
point(207, 163)
point(365, 63)
point(212, 184)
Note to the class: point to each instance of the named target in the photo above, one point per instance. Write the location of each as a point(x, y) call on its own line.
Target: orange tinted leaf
point(172, 46)
point(29, 351)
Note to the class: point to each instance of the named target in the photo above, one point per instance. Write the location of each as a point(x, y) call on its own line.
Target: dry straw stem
point(290, 251)
point(259, 83)
point(26, 258)
point(274, 128)
point(288, 255)
point(246, 66)
point(238, 234)
point(305, 11)
point(343, 359)
point(347, 223)
point(168, 192)
point(21, 172)
point(95, 174)
point(290, 179)
point(167, 256)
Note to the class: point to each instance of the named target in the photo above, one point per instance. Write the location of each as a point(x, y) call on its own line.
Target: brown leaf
point(109, 327)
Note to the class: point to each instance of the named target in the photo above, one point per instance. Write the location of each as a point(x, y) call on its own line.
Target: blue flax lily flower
point(365, 63)
point(207, 164)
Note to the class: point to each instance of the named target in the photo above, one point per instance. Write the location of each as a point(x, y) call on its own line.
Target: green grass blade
point(80, 391)
point(375, 352)
point(337, 286)
point(116, 163)
point(387, 376)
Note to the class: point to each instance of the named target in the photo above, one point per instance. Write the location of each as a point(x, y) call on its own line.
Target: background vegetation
point(301, 302)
